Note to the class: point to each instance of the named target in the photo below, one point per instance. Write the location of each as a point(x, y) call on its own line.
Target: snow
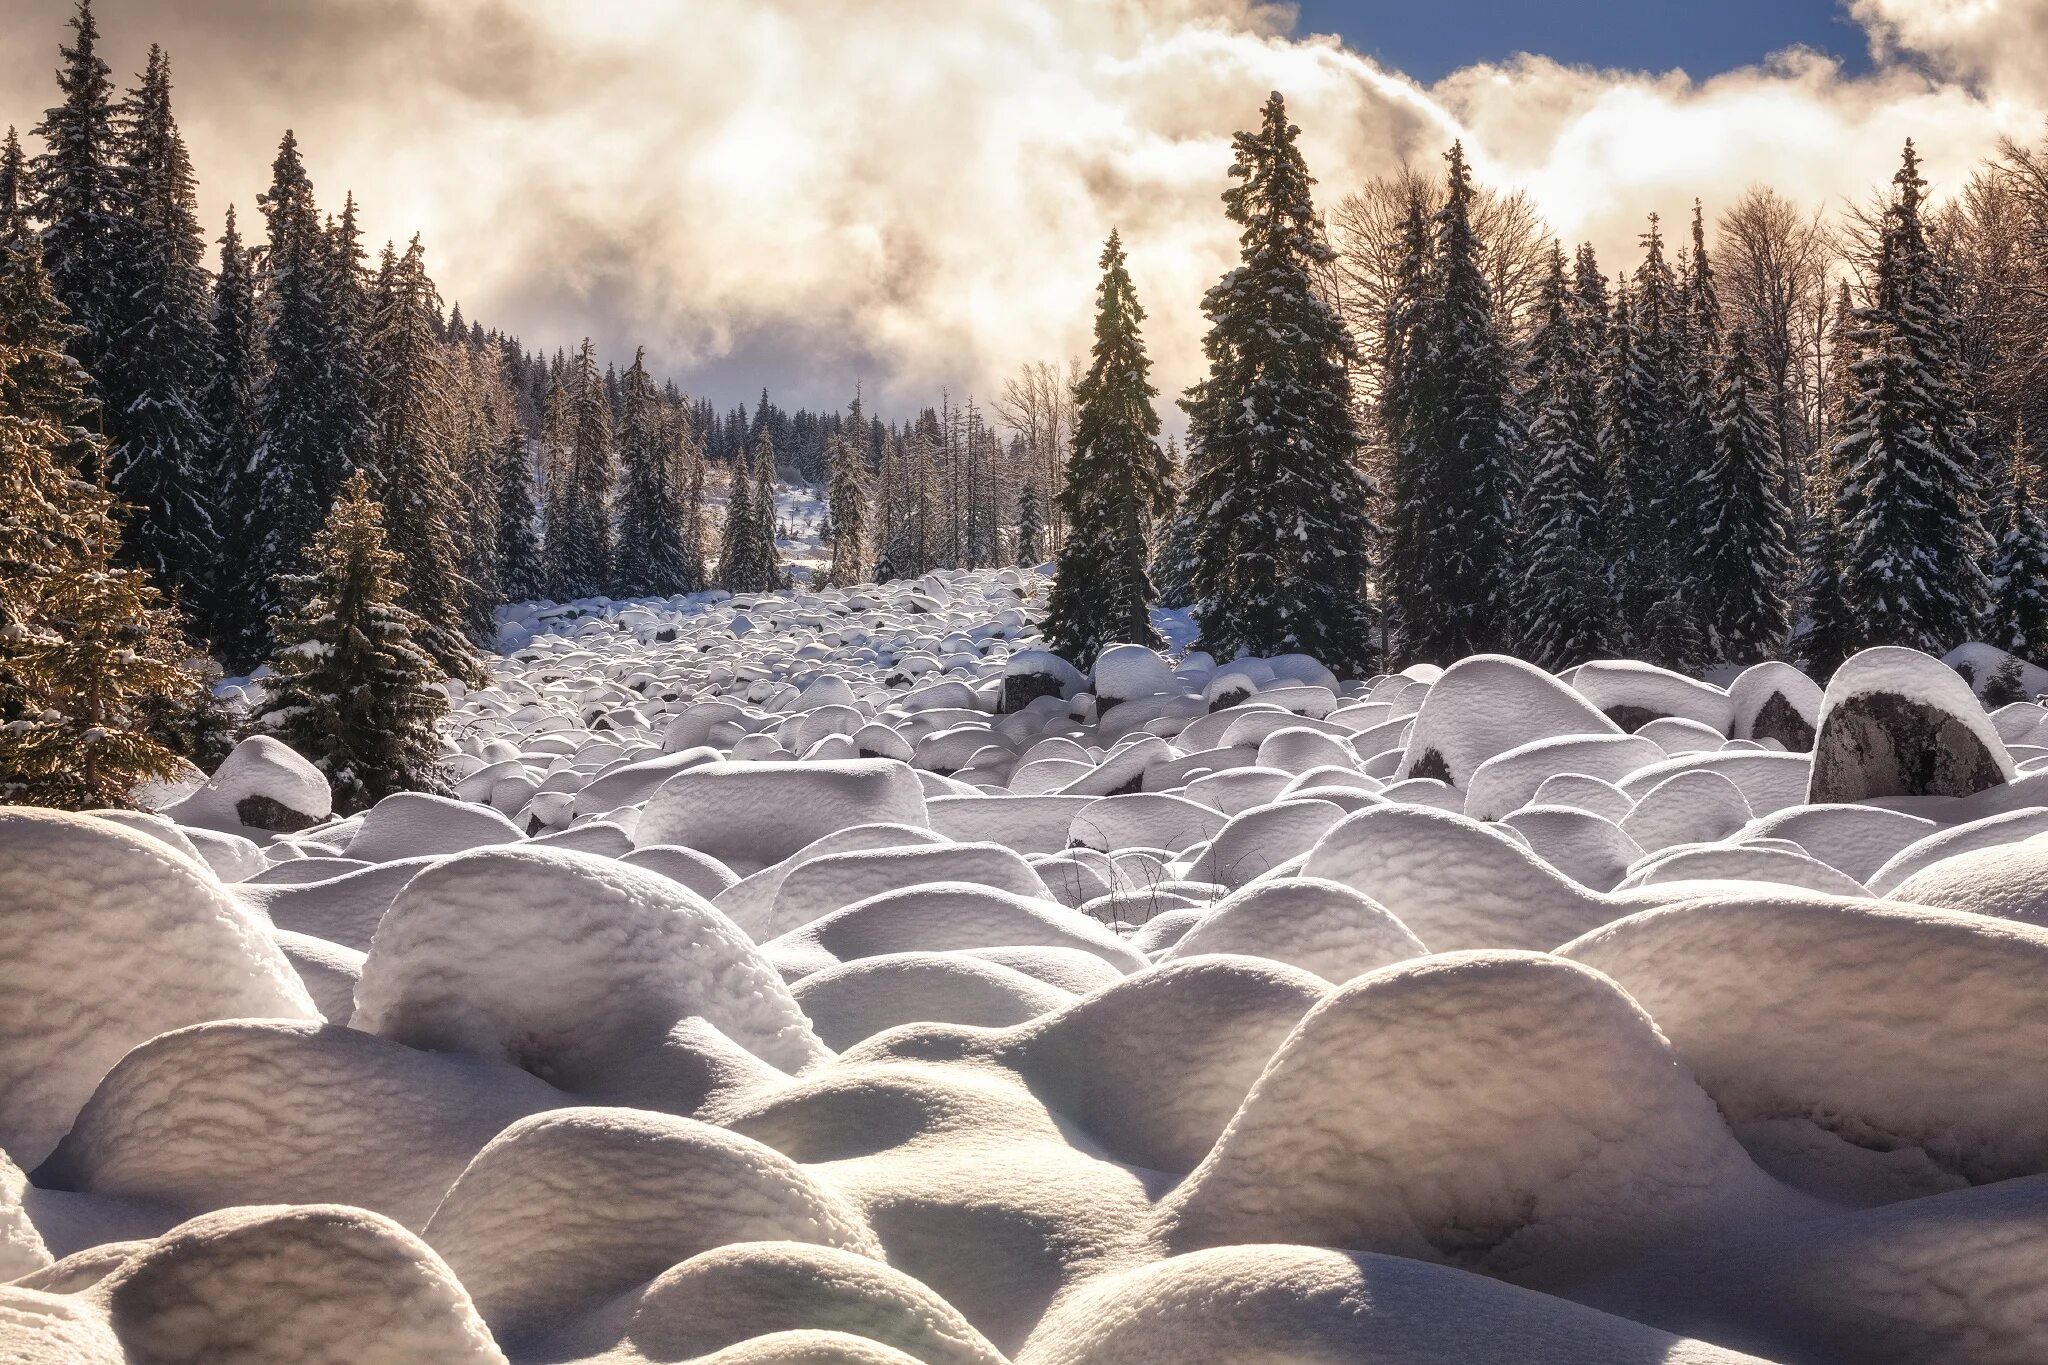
point(834, 975)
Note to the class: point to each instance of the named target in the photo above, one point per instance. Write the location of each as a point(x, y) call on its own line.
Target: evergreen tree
point(848, 498)
point(412, 461)
point(1459, 461)
point(89, 655)
point(1566, 608)
point(1280, 561)
point(300, 454)
point(2020, 568)
point(652, 558)
point(1743, 559)
point(1649, 413)
point(14, 193)
point(1030, 527)
point(155, 371)
point(737, 572)
point(1117, 483)
point(350, 687)
point(1908, 497)
point(521, 575)
point(234, 366)
point(43, 383)
point(1405, 404)
point(767, 555)
point(80, 197)
point(579, 544)
point(692, 513)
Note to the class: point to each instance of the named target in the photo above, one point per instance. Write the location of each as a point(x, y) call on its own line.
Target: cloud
point(913, 192)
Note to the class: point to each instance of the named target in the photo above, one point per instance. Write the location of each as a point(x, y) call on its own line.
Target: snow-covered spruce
point(837, 975)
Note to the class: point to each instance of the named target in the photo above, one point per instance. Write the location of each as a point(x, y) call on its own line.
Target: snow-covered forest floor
point(835, 976)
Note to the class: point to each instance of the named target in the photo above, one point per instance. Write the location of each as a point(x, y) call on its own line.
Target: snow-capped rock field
point(837, 976)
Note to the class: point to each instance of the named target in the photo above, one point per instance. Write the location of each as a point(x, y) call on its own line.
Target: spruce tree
point(234, 365)
point(300, 456)
point(14, 193)
point(80, 194)
point(652, 559)
point(1406, 402)
point(155, 371)
point(1460, 459)
point(1116, 484)
point(90, 656)
point(847, 499)
point(1909, 498)
point(1742, 562)
point(2020, 568)
point(767, 554)
point(737, 571)
point(43, 382)
point(579, 544)
point(1649, 416)
point(1030, 527)
point(1280, 561)
point(350, 687)
point(1565, 608)
point(521, 574)
point(412, 460)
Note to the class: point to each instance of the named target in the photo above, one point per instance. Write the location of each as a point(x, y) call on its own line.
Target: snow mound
point(574, 967)
point(344, 909)
point(861, 998)
point(1486, 705)
point(264, 1111)
point(1320, 926)
point(416, 825)
point(1592, 851)
point(262, 785)
point(306, 1285)
point(735, 1294)
point(1864, 1050)
point(1854, 840)
point(1511, 779)
point(1896, 722)
point(943, 916)
point(1256, 841)
point(819, 886)
point(2004, 881)
point(748, 815)
point(564, 1210)
point(1293, 1303)
point(1453, 882)
point(89, 905)
point(1632, 694)
point(21, 1246)
point(1987, 832)
point(1617, 1150)
point(1775, 701)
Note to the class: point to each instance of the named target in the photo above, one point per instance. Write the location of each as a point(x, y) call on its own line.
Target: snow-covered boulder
point(1487, 705)
point(748, 815)
point(1896, 722)
point(108, 938)
point(262, 784)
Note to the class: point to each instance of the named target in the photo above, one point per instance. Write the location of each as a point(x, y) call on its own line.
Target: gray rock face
point(1778, 719)
point(1880, 744)
point(267, 812)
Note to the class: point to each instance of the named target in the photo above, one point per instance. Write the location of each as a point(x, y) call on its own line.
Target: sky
point(1430, 40)
point(912, 194)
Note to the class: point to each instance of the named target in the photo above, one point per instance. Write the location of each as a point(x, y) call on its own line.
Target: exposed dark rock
point(267, 812)
point(1778, 719)
point(1021, 689)
point(1882, 744)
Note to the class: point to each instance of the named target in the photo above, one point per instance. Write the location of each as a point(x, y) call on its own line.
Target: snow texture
point(834, 975)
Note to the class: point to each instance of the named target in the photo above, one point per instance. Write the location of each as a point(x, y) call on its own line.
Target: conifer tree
point(14, 193)
point(1280, 562)
point(301, 454)
point(43, 382)
point(80, 194)
point(692, 514)
point(579, 544)
point(1117, 483)
point(736, 570)
point(90, 657)
point(1743, 560)
point(847, 499)
point(1565, 608)
point(234, 371)
point(1459, 456)
point(1406, 403)
point(652, 560)
point(767, 555)
point(2019, 573)
point(412, 461)
point(351, 688)
point(1030, 527)
point(154, 371)
point(1909, 500)
point(521, 575)
point(1649, 416)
